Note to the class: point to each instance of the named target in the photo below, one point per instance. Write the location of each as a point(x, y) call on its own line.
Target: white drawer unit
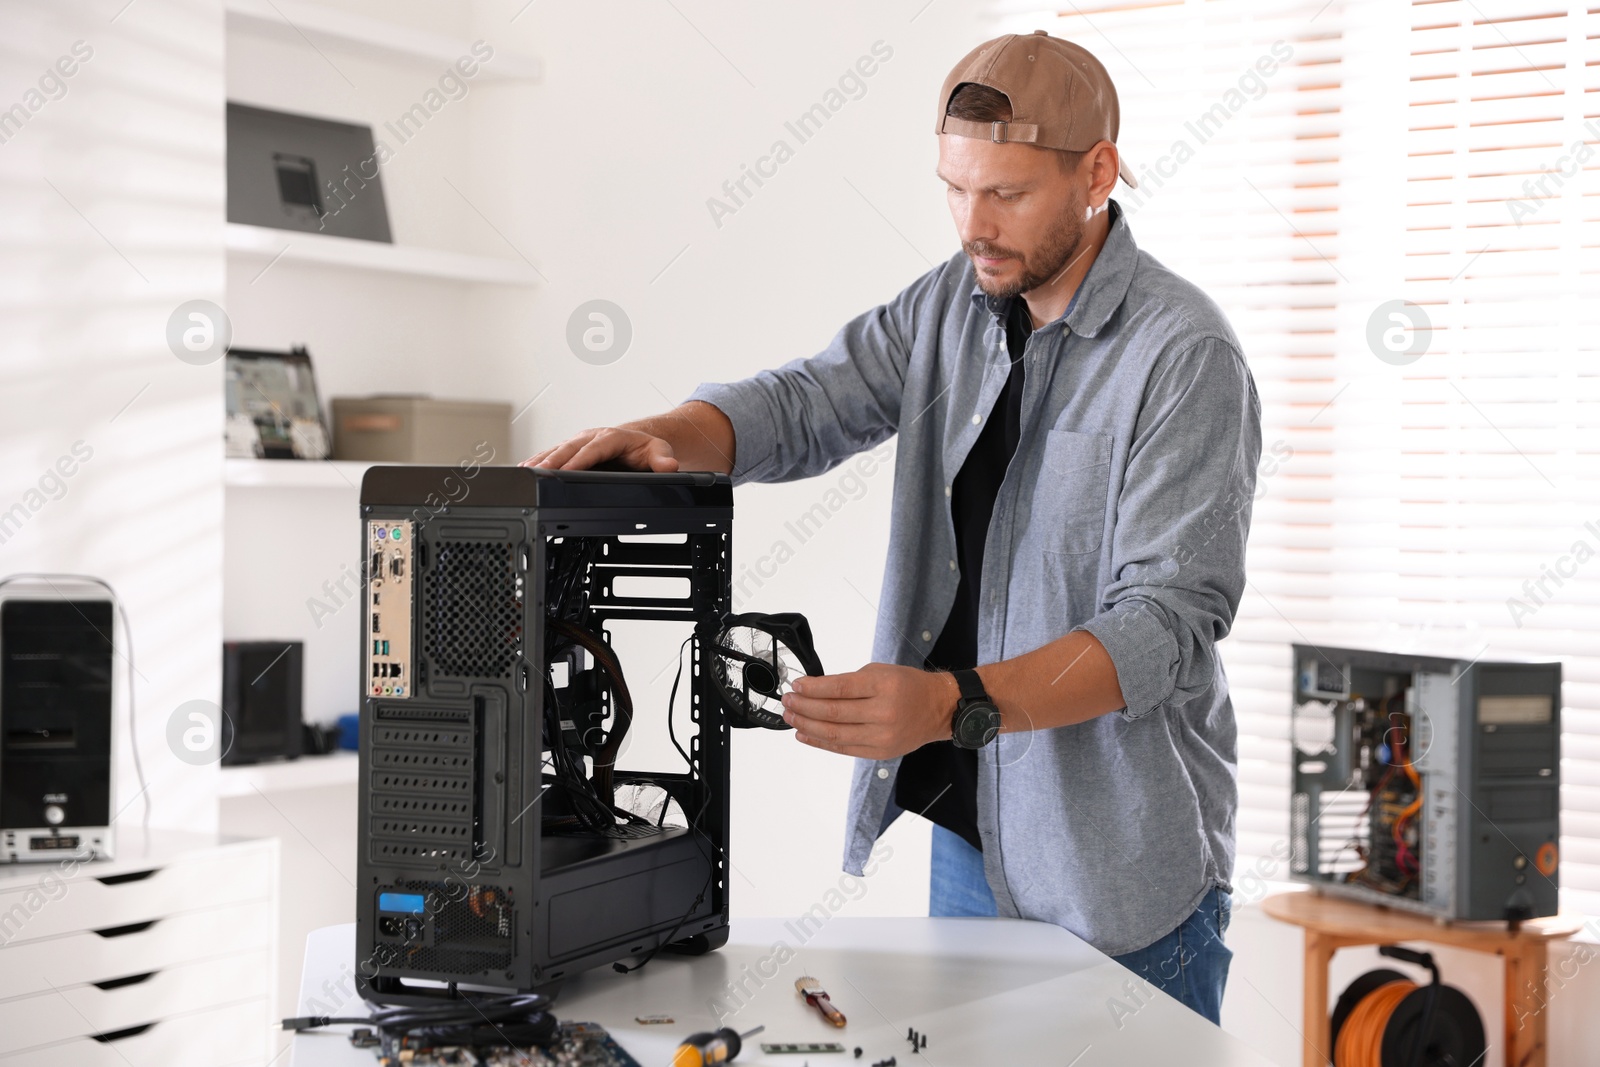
point(217, 1037)
point(165, 955)
point(91, 955)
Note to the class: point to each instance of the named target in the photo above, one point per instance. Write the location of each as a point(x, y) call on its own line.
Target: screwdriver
point(812, 990)
point(705, 1048)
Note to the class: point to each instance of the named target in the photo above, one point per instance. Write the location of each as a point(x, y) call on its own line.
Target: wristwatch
point(976, 720)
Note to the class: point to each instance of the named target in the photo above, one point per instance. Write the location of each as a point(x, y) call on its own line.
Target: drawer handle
point(117, 1035)
point(118, 983)
point(124, 879)
point(131, 928)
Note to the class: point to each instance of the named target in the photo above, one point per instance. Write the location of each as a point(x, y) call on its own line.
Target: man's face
point(1017, 210)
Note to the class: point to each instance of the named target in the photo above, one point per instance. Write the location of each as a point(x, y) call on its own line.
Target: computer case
point(491, 594)
point(58, 730)
point(1428, 784)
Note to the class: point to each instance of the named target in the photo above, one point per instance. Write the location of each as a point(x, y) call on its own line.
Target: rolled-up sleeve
point(1183, 514)
point(811, 414)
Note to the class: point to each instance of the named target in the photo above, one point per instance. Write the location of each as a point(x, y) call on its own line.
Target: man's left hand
point(879, 712)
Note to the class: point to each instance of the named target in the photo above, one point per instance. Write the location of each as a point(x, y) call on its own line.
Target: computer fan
point(755, 658)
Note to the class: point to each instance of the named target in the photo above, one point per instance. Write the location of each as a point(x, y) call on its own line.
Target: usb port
point(55, 842)
point(375, 627)
point(374, 598)
point(385, 648)
point(376, 648)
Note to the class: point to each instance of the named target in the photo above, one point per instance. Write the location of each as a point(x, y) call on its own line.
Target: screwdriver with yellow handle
point(705, 1048)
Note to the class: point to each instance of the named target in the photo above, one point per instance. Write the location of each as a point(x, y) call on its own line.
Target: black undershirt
point(940, 781)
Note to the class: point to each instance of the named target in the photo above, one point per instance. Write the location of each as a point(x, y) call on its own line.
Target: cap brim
point(1126, 172)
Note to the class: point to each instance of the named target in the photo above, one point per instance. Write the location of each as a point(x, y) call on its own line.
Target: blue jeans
point(1190, 964)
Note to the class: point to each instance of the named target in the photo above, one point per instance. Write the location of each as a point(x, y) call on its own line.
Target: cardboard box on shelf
point(420, 429)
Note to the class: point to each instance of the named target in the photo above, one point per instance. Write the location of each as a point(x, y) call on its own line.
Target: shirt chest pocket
point(1070, 498)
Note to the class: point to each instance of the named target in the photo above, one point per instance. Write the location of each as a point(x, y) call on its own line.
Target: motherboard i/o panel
point(389, 577)
point(1426, 783)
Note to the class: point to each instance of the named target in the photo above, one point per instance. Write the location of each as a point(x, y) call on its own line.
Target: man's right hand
point(695, 436)
point(587, 449)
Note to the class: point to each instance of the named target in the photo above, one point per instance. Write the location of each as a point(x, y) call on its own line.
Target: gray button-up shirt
point(1124, 513)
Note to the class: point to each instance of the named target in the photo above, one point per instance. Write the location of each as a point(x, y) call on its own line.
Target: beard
point(1057, 247)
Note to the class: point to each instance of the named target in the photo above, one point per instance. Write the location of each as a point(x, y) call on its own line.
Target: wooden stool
point(1332, 923)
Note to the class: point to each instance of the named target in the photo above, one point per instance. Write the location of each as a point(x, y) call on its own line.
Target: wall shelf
point(298, 21)
point(293, 474)
point(268, 245)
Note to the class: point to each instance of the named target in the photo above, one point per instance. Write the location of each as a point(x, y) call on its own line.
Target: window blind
point(1396, 206)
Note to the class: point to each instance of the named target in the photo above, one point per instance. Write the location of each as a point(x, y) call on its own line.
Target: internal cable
point(672, 700)
point(605, 760)
point(520, 1020)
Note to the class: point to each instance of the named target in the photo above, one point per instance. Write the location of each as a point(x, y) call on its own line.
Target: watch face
point(977, 724)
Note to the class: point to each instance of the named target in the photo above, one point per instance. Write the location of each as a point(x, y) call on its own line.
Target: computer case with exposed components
point(492, 850)
point(1426, 783)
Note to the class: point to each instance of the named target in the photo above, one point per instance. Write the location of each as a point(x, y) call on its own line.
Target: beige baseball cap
point(1061, 97)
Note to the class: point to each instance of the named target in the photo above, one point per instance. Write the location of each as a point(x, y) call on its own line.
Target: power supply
point(1427, 784)
point(502, 841)
point(57, 724)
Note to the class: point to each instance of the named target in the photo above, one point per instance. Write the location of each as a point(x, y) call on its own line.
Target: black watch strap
point(971, 685)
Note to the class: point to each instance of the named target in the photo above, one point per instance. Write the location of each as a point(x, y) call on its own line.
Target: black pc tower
point(502, 842)
point(1427, 784)
point(58, 648)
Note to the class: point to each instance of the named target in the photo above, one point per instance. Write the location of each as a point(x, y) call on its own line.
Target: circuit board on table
point(575, 1045)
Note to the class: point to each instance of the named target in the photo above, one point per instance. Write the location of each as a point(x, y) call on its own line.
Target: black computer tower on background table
point(490, 688)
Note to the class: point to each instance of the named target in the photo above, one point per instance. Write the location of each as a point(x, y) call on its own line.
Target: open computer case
point(1427, 784)
point(502, 842)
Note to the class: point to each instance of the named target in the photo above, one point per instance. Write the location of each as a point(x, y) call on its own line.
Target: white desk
point(985, 991)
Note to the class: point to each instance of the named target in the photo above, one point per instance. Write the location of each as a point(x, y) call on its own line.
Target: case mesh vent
point(420, 806)
point(1299, 832)
point(474, 609)
point(386, 711)
point(430, 767)
point(421, 783)
point(471, 929)
point(441, 737)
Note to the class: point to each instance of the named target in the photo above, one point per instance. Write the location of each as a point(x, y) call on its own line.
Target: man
point(1079, 436)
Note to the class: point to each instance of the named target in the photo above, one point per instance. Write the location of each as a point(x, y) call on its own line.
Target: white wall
point(111, 196)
